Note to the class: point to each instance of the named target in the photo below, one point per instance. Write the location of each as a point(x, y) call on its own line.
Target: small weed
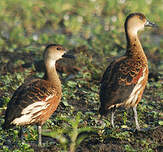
point(73, 129)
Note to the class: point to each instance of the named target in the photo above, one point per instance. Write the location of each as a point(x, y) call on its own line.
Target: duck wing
point(28, 100)
point(118, 82)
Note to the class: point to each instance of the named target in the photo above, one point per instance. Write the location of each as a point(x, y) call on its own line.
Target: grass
point(93, 31)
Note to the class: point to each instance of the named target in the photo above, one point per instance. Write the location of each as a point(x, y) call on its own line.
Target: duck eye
point(141, 17)
point(58, 48)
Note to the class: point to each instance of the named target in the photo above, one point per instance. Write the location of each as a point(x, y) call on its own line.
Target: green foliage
point(73, 130)
point(128, 148)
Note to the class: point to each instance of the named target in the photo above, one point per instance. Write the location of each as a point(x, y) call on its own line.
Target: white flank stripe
point(129, 100)
point(135, 93)
point(133, 96)
point(49, 97)
point(33, 108)
point(30, 113)
point(37, 106)
point(25, 119)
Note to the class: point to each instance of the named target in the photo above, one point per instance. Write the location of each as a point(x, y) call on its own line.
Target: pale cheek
point(58, 56)
point(52, 60)
point(142, 28)
point(135, 30)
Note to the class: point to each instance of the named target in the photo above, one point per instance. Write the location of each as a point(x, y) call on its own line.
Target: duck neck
point(134, 47)
point(52, 76)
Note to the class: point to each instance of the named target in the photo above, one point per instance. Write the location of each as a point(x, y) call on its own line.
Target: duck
point(124, 80)
point(37, 99)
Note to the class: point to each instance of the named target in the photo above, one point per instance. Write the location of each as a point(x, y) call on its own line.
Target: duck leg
point(136, 118)
point(39, 135)
point(112, 116)
point(21, 134)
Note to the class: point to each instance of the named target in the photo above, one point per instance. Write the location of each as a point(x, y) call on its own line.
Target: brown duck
point(125, 78)
point(35, 101)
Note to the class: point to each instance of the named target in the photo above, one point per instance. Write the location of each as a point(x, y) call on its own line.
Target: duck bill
point(150, 24)
point(68, 56)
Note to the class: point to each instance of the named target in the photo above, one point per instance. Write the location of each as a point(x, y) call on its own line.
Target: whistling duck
point(125, 78)
point(35, 101)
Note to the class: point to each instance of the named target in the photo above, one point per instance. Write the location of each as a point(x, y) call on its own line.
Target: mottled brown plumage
point(125, 78)
point(35, 101)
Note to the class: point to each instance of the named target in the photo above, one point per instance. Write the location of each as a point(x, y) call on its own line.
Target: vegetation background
point(94, 32)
